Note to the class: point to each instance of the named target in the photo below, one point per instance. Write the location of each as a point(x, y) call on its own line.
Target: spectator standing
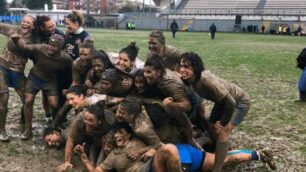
point(301, 63)
point(174, 28)
point(212, 30)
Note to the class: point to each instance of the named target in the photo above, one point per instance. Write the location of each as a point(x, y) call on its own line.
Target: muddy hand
point(64, 167)
point(167, 100)
point(15, 37)
point(79, 149)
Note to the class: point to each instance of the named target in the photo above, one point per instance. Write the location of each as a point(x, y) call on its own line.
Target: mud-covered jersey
point(14, 58)
point(78, 132)
point(80, 70)
point(46, 65)
point(215, 89)
point(170, 57)
point(119, 161)
point(144, 130)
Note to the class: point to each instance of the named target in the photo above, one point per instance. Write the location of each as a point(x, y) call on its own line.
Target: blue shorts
point(192, 156)
point(189, 155)
point(35, 84)
point(13, 79)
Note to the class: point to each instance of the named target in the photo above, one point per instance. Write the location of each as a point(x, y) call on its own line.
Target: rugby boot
point(26, 134)
point(3, 136)
point(267, 157)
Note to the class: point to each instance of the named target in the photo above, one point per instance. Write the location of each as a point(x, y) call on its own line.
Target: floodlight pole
point(88, 6)
point(143, 6)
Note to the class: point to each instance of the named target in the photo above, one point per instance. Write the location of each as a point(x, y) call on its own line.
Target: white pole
point(46, 7)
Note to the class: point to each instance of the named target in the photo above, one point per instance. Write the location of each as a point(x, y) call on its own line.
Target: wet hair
point(110, 75)
point(40, 21)
point(157, 114)
point(156, 63)
point(131, 50)
point(88, 43)
point(194, 60)
point(97, 110)
point(77, 90)
point(58, 40)
point(301, 59)
point(104, 58)
point(76, 16)
point(139, 73)
point(123, 125)
point(50, 130)
point(132, 105)
point(159, 36)
point(30, 16)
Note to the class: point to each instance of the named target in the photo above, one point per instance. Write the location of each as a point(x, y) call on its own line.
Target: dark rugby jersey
point(73, 40)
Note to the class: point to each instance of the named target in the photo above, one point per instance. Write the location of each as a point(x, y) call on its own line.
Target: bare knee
point(29, 100)
point(168, 150)
point(52, 101)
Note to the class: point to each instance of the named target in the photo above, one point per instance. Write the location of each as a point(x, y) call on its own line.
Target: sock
point(48, 115)
point(255, 155)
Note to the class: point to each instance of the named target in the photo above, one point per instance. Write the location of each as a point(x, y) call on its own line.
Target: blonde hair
point(159, 36)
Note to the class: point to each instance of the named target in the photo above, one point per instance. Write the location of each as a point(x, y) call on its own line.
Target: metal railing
point(237, 11)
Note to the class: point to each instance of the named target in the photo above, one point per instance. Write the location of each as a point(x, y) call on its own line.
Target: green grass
point(263, 65)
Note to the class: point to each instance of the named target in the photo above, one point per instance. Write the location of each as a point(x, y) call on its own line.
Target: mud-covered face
point(91, 122)
point(140, 84)
point(53, 48)
point(72, 26)
point(103, 87)
point(186, 70)
point(76, 101)
point(85, 55)
point(98, 67)
point(108, 148)
point(155, 47)
point(53, 139)
point(124, 63)
point(26, 25)
point(152, 75)
point(49, 27)
point(121, 138)
point(123, 116)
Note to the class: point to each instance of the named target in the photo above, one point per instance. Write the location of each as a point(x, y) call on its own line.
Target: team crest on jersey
point(78, 41)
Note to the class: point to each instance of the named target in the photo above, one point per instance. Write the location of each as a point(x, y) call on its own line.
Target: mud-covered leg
point(61, 115)
point(20, 92)
point(52, 101)
point(47, 109)
point(28, 112)
point(167, 159)
point(4, 95)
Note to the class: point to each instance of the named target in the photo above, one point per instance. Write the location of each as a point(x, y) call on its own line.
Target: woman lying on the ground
point(169, 157)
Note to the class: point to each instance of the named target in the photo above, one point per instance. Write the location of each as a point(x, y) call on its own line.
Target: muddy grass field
point(263, 65)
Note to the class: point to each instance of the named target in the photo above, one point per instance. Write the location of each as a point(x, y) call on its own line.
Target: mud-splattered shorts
point(12, 78)
point(35, 84)
point(242, 107)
